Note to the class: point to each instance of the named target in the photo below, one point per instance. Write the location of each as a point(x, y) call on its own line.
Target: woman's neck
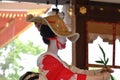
point(52, 48)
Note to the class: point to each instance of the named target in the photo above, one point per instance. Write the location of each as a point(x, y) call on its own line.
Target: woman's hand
point(107, 69)
point(99, 76)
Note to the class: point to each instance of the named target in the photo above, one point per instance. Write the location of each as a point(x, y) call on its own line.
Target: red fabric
point(81, 77)
point(58, 42)
point(51, 21)
point(56, 70)
point(65, 74)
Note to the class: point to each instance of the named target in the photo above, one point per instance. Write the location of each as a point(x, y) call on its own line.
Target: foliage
point(9, 56)
point(104, 61)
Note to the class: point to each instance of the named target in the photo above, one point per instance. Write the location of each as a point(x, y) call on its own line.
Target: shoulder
point(49, 58)
point(46, 57)
point(40, 58)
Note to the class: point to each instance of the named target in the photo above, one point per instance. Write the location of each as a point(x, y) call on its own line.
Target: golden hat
point(56, 24)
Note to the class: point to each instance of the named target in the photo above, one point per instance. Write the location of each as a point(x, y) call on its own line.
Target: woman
point(55, 34)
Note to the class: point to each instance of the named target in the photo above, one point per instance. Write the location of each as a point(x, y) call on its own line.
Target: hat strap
point(57, 42)
point(51, 21)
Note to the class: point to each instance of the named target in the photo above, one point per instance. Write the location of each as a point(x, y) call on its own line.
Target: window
point(107, 35)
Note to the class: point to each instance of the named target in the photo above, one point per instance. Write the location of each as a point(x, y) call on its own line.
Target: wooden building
point(94, 18)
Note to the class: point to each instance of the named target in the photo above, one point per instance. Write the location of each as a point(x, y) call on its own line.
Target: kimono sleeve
point(56, 70)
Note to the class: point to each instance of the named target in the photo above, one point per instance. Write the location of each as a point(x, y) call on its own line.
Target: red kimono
point(55, 69)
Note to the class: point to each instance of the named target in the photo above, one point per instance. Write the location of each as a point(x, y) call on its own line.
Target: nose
point(65, 40)
point(38, 25)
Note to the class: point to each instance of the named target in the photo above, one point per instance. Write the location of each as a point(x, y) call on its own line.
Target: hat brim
point(31, 18)
point(56, 24)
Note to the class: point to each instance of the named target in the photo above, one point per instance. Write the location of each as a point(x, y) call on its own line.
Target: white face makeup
point(62, 41)
point(38, 25)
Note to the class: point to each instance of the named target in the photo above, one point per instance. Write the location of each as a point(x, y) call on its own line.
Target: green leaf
point(99, 61)
point(102, 52)
point(111, 77)
point(106, 61)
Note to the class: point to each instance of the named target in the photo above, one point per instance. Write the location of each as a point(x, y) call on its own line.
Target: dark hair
point(29, 76)
point(46, 33)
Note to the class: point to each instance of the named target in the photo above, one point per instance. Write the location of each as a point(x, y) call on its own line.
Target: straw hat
point(56, 24)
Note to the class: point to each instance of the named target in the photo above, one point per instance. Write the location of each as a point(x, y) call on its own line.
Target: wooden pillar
point(80, 47)
point(81, 43)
